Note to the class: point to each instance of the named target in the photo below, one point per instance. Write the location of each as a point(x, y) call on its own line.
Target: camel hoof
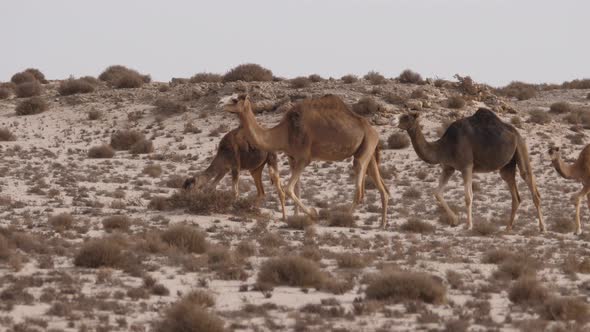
point(578, 232)
point(508, 229)
point(313, 213)
point(468, 227)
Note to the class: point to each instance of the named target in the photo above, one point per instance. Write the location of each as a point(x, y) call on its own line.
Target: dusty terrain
point(46, 171)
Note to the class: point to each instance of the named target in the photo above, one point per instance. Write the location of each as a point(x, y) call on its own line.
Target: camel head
point(235, 103)
point(195, 182)
point(554, 153)
point(409, 121)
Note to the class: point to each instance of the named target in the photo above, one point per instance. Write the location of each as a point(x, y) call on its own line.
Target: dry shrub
point(516, 121)
point(300, 82)
point(572, 265)
point(28, 89)
point(455, 279)
point(116, 223)
point(560, 107)
point(125, 139)
point(101, 152)
point(80, 85)
point(588, 96)
point(5, 93)
point(315, 78)
point(484, 228)
point(398, 141)
point(409, 77)
point(175, 181)
point(299, 222)
point(579, 117)
point(349, 79)
point(142, 147)
point(467, 85)
point(375, 78)
point(351, 261)
point(414, 225)
point(577, 84)
point(37, 74)
point(6, 135)
point(566, 309)
point(206, 78)
point(539, 116)
point(5, 251)
point(366, 106)
point(98, 253)
point(94, 114)
point(33, 105)
point(515, 267)
point(199, 202)
point(291, 271)
point(497, 256)
point(23, 77)
point(190, 314)
point(152, 170)
point(518, 90)
point(395, 99)
point(122, 77)
point(399, 286)
point(341, 219)
point(528, 290)
point(249, 72)
point(165, 106)
point(562, 225)
point(185, 238)
point(61, 222)
point(455, 102)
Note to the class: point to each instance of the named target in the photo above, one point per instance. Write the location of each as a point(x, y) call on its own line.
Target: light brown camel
point(579, 171)
point(479, 143)
point(317, 129)
point(235, 153)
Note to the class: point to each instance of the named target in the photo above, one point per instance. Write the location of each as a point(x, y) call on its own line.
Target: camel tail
point(377, 155)
point(524, 165)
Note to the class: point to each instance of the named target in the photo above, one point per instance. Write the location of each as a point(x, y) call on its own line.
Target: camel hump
point(484, 114)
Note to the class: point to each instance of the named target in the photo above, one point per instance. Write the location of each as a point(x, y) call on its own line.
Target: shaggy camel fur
point(318, 129)
point(479, 143)
point(236, 153)
point(579, 171)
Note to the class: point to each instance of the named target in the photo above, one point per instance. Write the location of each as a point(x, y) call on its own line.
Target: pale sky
point(493, 41)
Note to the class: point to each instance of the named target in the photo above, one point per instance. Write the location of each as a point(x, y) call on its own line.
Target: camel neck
point(261, 137)
point(427, 151)
point(565, 170)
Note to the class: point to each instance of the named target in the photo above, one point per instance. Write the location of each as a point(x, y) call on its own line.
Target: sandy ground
point(46, 171)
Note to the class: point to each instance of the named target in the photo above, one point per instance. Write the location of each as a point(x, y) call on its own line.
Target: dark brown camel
point(480, 143)
point(235, 154)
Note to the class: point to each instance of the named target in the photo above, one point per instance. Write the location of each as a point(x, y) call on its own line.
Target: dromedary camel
point(479, 143)
point(234, 154)
point(317, 129)
point(580, 171)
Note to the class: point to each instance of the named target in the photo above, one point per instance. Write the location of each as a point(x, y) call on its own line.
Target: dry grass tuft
point(185, 238)
point(28, 89)
point(142, 147)
point(190, 315)
point(5, 92)
point(579, 117)
point(300, 82)
point(167, 107)
point(406, 286)
point(206, 78)
point(484, 228)
point(351, 261)
point(61, 222)
point(299, 222)
point(341, 219)
point(80, 85)
point(199, 202)
point(518, 90)
point(116, 223)
point(414, 225)
point(153, 170)
point(375, 78)
point(395, 99)
point(291, 271)
point(410, 77)
point(249, 72)
point(349, 79)
point(497, 256)
point(315, 78)
point(539, 116)
point(6, 135)
point(98, 253)
point(455, 102)
point(398, 141)
point(122, 77)
point(366, 106)
point(528, 290)
point(5, 250)
point(561, 107)
point(515, 267)
point(23, 77)
point(566, 309)
point(125, 139)
point(101, 152)
point(33, 105)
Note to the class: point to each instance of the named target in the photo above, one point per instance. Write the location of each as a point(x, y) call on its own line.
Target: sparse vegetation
point(398, 141)
point(101, 151)
point(206, 78)
point(409, 77)
point(77, 85)
point(375, 78)
point(399, 286)
point(33, 105)
point(518, 90)
point(300, 82)
point(249, 72)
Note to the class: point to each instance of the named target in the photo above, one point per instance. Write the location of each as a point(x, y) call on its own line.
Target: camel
point(580, 171)
point(317, 129)
point(236, 153)
point(480, 143)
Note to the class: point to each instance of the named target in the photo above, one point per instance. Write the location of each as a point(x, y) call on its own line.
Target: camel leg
point(468, 184)
point(257, 176)
point(508, 174)
point(445, 176)
point(360, 165)
point(297, 187)
point(578, 197)
point(274, 176)
point(217, 179)
point(529, 178)
point(235, 178)
point(373, 171)
point(296, 171)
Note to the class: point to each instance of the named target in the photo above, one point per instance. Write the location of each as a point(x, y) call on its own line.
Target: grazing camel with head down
point(478, 143)
point(236, 153)
point(317, 129)
point(579, 171)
